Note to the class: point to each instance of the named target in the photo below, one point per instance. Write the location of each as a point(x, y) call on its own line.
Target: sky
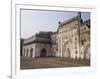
point(33, 21)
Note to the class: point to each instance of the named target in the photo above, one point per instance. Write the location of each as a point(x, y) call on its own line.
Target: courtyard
point(51, 62)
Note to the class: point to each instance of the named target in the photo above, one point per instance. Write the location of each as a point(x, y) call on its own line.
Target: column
point(61, 46)
point(29, 52)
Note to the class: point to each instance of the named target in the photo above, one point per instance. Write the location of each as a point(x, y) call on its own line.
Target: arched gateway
point(43, 52)
point(68, 52)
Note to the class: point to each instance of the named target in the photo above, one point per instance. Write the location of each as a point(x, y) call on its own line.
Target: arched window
point(82, 42)
point(76, 52)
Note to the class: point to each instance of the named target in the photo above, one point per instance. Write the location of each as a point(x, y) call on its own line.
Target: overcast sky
point(33, 21)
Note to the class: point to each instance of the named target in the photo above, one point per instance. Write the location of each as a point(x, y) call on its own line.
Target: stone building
point(54, 43)
point(74, 38)
point(85, 40)
point(68, 38)
point(38, 45)
point(71, 40)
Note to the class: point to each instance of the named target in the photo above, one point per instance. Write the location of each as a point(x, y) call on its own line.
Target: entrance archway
point(43, 52)
point(68, 52)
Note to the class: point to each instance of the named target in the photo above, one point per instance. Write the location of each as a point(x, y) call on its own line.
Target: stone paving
point(47, 62)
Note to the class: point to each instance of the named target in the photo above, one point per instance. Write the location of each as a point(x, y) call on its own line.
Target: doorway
point(43, 52)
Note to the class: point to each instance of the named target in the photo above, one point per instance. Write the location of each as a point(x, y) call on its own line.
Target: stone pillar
point(34, 51)
point(61, 46)
point(79, 24)
point(25, 52)
point(57, 54)
point(33, 54)
point(29, 52)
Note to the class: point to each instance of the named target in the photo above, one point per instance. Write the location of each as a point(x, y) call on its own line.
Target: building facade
point(38, 45)
point(68, 38)
point(85, 40)
point(71, 40)
point(54, 43)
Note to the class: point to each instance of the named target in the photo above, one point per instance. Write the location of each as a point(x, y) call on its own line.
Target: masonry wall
point(37, 48)
point(68, 40)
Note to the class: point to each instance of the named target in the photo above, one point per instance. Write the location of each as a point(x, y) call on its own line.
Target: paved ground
point(48, 62)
